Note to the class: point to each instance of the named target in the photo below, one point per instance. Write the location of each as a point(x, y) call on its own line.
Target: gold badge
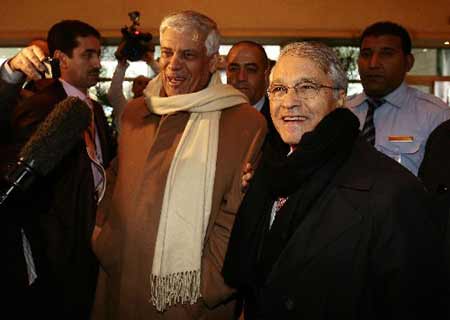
point(401, 138)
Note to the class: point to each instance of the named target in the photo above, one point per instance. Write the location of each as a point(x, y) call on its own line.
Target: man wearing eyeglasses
point(333, 229)
point(394, 117)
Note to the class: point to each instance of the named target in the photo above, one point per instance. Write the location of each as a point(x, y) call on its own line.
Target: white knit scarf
point(187, 202)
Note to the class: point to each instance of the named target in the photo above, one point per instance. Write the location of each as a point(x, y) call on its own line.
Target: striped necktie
point(368, 130)
point(98, 171)
point(89, 139)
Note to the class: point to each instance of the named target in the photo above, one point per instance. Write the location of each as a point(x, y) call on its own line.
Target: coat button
point(289, 304)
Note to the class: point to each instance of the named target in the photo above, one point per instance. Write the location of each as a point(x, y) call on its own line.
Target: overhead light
point(447, 43)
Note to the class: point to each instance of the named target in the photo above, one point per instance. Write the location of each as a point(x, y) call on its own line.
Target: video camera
point(135, 43)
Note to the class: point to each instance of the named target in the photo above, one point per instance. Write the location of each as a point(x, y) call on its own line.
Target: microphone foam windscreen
point(56, 135)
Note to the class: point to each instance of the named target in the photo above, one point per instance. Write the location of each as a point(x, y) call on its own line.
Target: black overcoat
point(363, 251)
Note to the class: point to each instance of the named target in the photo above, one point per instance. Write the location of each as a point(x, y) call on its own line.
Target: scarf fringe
point(180, 287)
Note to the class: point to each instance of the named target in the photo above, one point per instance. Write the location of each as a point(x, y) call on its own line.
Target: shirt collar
point(259, 105)
point(72, 91)
point(395, 98)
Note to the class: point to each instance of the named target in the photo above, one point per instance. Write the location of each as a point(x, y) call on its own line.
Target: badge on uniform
point(401, 138)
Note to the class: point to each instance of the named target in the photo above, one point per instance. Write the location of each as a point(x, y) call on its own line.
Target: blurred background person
point(116, 96)
point(247, 69)
point(115, 93)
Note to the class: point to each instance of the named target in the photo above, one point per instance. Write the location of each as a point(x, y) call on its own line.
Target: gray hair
point(325, 57)
point(194, 21)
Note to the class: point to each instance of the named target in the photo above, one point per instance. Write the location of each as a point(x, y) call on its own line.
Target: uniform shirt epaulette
point(432, 99)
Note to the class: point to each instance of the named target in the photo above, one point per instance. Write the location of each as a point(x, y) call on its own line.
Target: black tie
point(368, 130)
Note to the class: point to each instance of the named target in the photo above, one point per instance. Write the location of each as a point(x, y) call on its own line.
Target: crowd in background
point(272, 196)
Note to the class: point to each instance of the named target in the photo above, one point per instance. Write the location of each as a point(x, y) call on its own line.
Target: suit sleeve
point(9, 95)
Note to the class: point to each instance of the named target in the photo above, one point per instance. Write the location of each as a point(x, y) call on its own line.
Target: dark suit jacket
point(360, 253)
point(58, 215)
point(265, 110)
point(9, 95)
point(272, 133)
point(435, 169)
point(435, 174)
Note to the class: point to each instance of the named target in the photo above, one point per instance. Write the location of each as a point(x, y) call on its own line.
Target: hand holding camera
point(30, 61)
point(135, 44)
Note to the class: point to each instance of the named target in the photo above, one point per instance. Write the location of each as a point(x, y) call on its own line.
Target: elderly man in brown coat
point(164, 225)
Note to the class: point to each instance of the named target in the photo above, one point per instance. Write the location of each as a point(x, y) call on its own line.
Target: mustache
point(95, 71)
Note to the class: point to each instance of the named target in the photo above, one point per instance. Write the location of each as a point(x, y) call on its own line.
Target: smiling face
point(292, 116)
point(382, 64)
point(185, 67)
point(82, 68)
point(247, 71)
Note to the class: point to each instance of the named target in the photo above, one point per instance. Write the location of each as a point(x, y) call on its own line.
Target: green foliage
point(100, 94)
point(348, 57)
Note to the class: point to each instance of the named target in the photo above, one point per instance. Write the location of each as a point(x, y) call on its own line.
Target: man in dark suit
point(13, 73)
point(434, 171)
point(334, 229)
point(248, 71)
point(57, 215)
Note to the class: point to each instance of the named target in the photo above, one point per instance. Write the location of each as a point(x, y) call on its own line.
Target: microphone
point(51, 141)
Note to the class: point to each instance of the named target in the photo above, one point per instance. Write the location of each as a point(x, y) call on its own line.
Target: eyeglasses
point(303, 90)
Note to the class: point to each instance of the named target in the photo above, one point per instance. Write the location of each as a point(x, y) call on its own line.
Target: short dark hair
point(63, 35)
point(388, 28)
point(257, 46)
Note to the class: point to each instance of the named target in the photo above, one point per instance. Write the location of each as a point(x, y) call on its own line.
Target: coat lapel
point(102, 130)
point(340, 207)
